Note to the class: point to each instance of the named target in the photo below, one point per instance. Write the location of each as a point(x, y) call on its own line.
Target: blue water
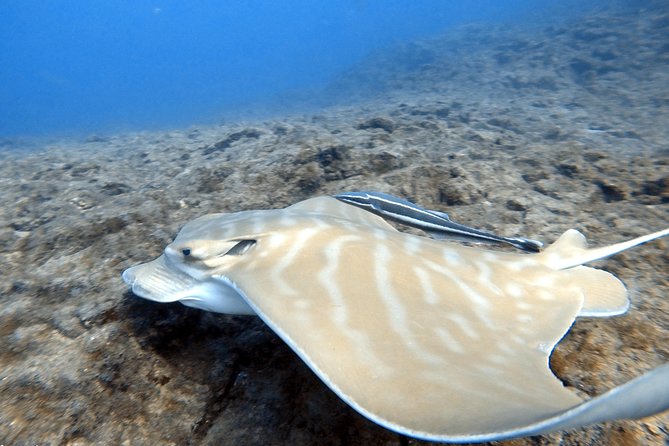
point(75, 66)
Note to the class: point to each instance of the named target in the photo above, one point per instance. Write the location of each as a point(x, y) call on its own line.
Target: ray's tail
point(571, 249)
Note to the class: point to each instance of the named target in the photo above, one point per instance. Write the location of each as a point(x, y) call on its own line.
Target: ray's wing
point(408, 356)
point(436, 341)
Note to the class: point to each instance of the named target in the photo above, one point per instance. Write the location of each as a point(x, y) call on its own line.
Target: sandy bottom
point(528, 134)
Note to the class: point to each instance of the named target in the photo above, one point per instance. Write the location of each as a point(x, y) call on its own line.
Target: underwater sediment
point(531, 134)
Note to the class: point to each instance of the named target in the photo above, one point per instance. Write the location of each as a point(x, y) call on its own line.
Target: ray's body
point(432, 339)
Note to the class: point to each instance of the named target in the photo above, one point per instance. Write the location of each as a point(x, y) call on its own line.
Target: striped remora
point(437, 224)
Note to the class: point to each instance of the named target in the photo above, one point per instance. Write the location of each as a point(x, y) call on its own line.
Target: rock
point(655, 191)
point(233, 137)
point(515, 205)
point(378, 123)
point(115, 188)
point(568, 169)
point(612, 192)
point(457, 193)
point(384, 162)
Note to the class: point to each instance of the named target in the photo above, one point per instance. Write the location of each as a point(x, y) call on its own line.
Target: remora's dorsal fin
point(571, 249)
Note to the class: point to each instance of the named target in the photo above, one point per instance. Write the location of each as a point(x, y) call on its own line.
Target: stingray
point(431, 339)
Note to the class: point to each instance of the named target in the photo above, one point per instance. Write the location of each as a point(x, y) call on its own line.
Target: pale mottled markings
point(484, 271)
point(545, 295)
point(295, 245)
point(485, 278)
point(277, 240)
point(464, 325)
point(544, 280)
point(525, 329)
point(488, 369)
point(518, 339)
point(448, 340)
point(498, 359)
point(481, 303)
point(258, 225)
point(328, 279)
point(451, 257)
point(303, 316)
point(552, 259)
point(396, 310)
point(232, 225)
point(490, 256)
point(397, 322)
point(523, 318)
point(520, 264)
point(287, 221)
point(320, 223)
point(504, 347)
point(514, 290)
point(302, 304)
point(545, 348)
point(429, 295)
point(321, 207)
point(412, 245)
point(380, 234)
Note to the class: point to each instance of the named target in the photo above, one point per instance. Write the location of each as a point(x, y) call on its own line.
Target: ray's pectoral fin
point(641, 397)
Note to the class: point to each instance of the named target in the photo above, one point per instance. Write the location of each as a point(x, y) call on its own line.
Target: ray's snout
point(129, 276)
point(160, 281)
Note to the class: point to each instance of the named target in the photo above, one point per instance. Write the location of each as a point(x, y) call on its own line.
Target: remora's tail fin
point(571, 249)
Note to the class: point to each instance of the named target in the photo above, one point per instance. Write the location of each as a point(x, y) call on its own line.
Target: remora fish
point(435, 223)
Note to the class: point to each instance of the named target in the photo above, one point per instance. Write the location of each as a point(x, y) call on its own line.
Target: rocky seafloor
point(520, 132)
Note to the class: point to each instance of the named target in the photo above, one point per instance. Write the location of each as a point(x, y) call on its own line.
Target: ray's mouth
point(158, 281)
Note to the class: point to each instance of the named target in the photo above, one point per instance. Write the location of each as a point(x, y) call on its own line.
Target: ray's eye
point(186, 252)
point(240, 248)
